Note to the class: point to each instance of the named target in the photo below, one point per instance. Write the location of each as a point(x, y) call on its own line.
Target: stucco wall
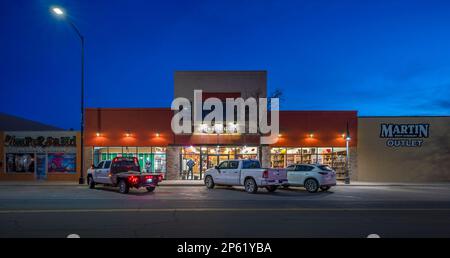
point(248, 83)
point(428, 163)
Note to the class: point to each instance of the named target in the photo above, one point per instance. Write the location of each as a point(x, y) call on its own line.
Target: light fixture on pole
point(60, 12)
point(347, 159)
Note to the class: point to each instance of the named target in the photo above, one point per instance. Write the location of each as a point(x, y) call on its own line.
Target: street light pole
point(60, 12)
point(347, 158)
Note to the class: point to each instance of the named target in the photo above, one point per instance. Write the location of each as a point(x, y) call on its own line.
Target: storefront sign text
point(404, 135)
point(40, 141)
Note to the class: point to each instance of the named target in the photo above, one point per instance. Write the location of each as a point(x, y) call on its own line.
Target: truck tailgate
point(277, 174)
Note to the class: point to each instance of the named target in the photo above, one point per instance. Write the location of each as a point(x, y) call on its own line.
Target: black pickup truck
point(124, 173)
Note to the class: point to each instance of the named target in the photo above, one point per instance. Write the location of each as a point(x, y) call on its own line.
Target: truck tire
point(311, 185)
point(150, 189)
point(250, 185)
point(271, 188)
point(91, 182)
point(124, 188)
point(209, 182)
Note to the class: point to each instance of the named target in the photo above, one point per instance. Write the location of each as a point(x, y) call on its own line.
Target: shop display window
point(61, 163)
point(151, 159)
point(20, 162)
point(334, 157)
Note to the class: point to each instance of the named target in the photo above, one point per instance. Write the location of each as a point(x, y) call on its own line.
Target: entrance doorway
point(204, 157)
point(214, 160)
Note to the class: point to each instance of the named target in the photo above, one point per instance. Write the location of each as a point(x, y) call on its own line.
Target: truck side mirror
point(216, 167)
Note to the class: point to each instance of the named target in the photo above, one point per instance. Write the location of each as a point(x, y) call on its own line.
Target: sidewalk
point(200, 183)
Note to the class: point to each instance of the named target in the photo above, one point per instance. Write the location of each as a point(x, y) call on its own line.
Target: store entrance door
point(214, 160)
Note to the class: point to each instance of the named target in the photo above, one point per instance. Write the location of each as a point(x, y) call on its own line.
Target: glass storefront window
point(339, 161)
point(324, 156)
point(151, 159)
point(294, 156)
point(332, 156)
point(20, 162)
point(196, 159)
point(309, 155)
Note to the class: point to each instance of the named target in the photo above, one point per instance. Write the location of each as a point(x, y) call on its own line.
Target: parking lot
point(193, 211)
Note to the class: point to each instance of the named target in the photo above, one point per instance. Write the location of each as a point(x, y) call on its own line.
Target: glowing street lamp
point(60, 12)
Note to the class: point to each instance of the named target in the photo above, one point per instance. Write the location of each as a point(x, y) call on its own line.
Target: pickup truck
point(245, 172)
point(122, 172)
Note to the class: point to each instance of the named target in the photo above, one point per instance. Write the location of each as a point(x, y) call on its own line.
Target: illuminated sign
point(404, 135)
point(39, 141)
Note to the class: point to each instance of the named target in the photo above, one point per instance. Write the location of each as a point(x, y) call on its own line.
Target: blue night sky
point(377, 57)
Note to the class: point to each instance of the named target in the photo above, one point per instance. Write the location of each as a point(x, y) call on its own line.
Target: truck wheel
point(311, 185)
point(271, 188)
point(325, 188)
point(91, 183)
point(250, 185)
point(209, 182)
point(123, 187)
point(150, 189)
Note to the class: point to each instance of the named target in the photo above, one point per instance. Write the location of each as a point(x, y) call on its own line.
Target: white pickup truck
point(122, 172)
point(245, 172)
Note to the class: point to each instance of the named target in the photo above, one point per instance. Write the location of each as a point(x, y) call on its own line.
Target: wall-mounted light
point(218, 128)
point(128, 134)
point(97, 134)
point(311, 135)
point(280, 135)
point(343, 135)
point(157, 134)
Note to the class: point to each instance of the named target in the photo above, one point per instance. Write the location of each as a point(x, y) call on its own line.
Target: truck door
point(232, 175)
point(105, 172)
point(222, 173)
point(97, 172)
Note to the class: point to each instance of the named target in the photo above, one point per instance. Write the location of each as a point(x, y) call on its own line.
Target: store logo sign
point(40, 141)
point(404, 135)
point(240, 113)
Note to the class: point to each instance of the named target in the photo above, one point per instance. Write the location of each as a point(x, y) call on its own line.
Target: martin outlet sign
point(404, 135)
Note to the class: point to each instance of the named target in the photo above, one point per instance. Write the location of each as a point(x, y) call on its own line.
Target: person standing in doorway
point(190, 163)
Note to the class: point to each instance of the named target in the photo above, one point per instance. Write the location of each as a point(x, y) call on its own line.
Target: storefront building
point(403, 149)
point(145, 133)
point(40, 155)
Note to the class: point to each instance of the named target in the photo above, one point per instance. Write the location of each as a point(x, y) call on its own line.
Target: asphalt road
point(345, 211)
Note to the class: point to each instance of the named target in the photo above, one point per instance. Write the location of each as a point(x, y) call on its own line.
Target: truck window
point(107, 164)
point(121, 165)
point(223, 165)
point(233, 164)
point(99, 165)
point(251, 164)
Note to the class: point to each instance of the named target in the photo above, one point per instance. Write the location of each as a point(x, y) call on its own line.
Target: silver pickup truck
point(245, 172)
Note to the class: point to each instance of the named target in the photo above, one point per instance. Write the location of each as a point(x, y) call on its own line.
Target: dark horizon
point(381, 58)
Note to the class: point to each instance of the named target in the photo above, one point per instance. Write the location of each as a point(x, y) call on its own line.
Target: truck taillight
point(265, 174)
point(148, 177)
point(133, 179)
point(160, 178)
